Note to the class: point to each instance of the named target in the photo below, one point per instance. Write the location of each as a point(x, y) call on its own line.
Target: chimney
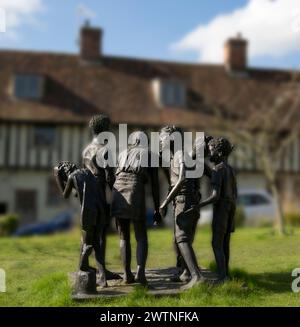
point(90, 42)
point(235, 54)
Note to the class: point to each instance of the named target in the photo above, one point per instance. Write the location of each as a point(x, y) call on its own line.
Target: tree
point(266, 129)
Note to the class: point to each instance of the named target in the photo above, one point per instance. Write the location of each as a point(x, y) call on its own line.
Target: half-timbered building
point(46, 100)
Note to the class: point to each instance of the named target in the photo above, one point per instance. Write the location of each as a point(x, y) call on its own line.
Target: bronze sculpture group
point(128, 205)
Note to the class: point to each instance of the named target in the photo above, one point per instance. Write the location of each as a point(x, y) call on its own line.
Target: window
point(44, 135)
point(173, 94)
point(252, 200)
point(26, 205)
point(169, 93)
point(28, 86)
point(3, 208)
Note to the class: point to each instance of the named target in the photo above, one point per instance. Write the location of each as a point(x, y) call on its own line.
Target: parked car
point(61, 222)
point(258, 205)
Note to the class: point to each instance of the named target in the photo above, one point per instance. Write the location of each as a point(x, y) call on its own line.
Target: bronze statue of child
point(184, 274)
point(223, 198)
point(94, 158)
point(69, 177)
point(184, 194)
point(129, 203)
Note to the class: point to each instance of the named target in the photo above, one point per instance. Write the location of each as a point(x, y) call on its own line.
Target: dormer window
point(28, 86)
point(169, 93)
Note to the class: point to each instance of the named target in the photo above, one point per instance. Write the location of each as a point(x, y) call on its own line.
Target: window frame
point(173, 93)
point(27, 93)
point(169, 92)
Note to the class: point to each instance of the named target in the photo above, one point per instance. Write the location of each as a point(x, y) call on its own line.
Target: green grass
point(261, 263)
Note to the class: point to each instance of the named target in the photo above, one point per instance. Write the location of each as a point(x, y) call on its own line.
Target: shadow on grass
point(243, 289)
point(276, 282)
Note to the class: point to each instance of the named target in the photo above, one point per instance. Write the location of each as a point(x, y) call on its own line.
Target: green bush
point(8, 224)
point(240, 217)
point(292, 218)
point(264, 223)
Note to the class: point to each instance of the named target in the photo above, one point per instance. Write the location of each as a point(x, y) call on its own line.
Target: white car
point(258, 205)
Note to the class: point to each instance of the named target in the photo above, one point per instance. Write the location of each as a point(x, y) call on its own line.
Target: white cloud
point(18, 13)
point(272, 28)
point(85, 12)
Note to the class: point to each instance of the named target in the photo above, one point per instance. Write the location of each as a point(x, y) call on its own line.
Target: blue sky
point(189, 30)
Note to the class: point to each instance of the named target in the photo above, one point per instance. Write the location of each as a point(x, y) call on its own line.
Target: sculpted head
point(65, 168)
point(99, 124)
point(168, 136)
point(138, 138)
point(199, 143)
point(219, 149)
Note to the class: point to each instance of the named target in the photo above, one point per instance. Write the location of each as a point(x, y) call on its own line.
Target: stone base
point(159, 284)
point(83, 283)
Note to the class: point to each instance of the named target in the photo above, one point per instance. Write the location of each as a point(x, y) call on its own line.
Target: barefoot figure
point(94, 158)
point(223, 198)
point(69, 178)
point(185, 195)
point(128, 204)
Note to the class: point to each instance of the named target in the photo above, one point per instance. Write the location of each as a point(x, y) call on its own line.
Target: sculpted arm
point(177, 187)
point(68, 188)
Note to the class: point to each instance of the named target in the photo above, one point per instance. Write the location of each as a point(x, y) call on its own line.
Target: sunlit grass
point(37, 270)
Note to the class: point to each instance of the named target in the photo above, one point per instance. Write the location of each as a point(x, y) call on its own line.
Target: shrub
point(8, 224)
point(240, 217)
point(292, 218)
point(264, 223)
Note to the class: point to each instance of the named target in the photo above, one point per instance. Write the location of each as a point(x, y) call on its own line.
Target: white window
point(28, 86)
point(169, 93)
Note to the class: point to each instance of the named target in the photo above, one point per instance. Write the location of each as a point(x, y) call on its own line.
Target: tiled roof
point(121, 87)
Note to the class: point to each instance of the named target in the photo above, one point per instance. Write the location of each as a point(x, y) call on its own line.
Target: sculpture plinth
point(83, 282)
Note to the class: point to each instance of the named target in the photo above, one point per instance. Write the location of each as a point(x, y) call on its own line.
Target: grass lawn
point(37, 267)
